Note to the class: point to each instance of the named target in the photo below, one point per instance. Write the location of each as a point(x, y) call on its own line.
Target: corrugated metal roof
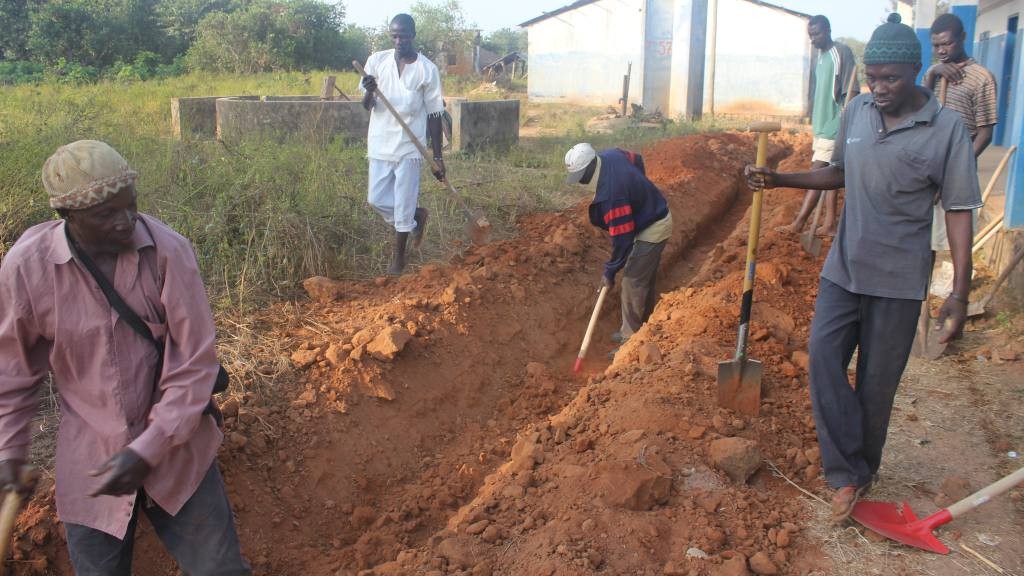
point(581, 3)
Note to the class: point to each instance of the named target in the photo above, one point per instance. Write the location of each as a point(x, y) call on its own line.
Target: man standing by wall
point(412, 84)
point(970, 92)
point(135, 436)
point(897, 149)
point(836, 66)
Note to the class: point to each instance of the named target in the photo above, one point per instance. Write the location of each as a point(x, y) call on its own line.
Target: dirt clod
point(738, 457)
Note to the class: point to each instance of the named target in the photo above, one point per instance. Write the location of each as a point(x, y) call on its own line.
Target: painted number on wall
point(660, 48)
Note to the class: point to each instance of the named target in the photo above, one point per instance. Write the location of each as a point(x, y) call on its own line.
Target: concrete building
point(580, 53)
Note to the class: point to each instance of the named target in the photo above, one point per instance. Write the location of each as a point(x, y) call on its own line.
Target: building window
point(452, 59)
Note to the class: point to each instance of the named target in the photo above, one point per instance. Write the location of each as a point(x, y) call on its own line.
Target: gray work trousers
point(201, 537)
point(638, 293)
point(852, 421)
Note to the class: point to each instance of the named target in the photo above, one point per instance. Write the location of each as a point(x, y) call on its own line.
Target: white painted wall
point(763, 60)
point(993, 14)
point(581, 55)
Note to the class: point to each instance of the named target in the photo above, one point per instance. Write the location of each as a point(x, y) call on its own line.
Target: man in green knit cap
point(898, 151)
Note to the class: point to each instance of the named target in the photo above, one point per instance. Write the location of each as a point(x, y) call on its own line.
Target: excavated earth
point(433, 425)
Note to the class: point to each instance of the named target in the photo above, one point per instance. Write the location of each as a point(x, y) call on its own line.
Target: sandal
point(845, 499)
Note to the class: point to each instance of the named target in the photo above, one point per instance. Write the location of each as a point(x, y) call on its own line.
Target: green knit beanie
point(893, 43)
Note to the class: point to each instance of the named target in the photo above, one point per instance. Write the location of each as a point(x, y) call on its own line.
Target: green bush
point(20, 72)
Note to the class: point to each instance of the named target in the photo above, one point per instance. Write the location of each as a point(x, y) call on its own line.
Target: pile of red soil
point(431, 425)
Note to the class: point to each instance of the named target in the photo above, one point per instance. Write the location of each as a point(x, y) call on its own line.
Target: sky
point(850, 18)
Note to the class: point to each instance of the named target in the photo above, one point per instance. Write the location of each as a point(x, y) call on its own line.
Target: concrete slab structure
point(484, 124)
point(277, 117)
point(196, 117)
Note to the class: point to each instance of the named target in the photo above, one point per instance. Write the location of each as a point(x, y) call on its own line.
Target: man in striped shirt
point(970, 92)
point(635, 214)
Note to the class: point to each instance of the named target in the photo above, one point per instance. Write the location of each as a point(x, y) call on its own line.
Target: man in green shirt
point(836, 66)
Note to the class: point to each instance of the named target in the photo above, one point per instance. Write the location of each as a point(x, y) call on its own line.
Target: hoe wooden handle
point(590, 328)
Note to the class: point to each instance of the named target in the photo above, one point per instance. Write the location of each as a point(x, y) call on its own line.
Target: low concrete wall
point(277, 117)
point(197, 117)
point(484, 124)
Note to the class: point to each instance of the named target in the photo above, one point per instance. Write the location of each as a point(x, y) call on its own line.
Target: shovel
point(477, 225)
point(739, 379)
point(809, 240)
point(590, 329)
point(900, 524)
point(978, 308)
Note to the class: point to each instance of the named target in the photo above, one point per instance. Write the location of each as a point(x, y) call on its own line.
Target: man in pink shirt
point(131, 438)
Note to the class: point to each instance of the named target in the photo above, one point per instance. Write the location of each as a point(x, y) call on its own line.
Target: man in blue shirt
point(898, 149)
point(635, 214)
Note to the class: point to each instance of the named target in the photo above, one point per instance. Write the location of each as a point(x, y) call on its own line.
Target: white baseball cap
point(576, 161)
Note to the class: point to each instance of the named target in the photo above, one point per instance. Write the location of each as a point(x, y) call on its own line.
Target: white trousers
point(394, 191)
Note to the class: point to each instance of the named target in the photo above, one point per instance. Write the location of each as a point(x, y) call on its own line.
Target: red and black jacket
point(626, 203)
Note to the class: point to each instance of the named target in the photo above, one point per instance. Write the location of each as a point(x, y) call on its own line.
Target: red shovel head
point(900, 524)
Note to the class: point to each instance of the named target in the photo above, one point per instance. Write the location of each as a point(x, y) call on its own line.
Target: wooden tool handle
point(590, 328)
point(8, 513)
point(1004, 275)
point(995, 175)
point(987, 235)
point(985, 494)
point(943, 86)
point(849, 87)
point(752, 240)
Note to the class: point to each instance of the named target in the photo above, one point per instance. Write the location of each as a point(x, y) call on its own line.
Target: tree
point(275, 35)
point(440, 27)
point(14, 21)
point(506, 40)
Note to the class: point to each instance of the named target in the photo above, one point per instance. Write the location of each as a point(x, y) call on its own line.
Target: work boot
point(422, 214)
point(398, 259)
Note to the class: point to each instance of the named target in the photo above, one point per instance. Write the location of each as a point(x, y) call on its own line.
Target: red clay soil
point(432, 425)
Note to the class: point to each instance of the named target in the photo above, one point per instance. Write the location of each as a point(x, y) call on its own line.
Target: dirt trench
point(432, 425)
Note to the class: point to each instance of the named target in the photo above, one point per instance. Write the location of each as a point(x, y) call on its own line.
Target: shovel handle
point(985, 494)
point(590, 328)
point(9, 511)
point(752, 238)
point(995, 175)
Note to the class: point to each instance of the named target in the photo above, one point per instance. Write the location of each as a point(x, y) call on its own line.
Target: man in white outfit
point(412, 84)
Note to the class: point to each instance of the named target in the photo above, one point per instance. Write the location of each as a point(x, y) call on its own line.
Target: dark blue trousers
point(852, 421)
point(201, 537)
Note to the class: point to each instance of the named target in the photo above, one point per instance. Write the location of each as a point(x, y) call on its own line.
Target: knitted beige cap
point(85, 173)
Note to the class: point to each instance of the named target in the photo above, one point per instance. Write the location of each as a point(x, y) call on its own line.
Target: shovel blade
point(739, 385)
point(926, 340)
point(810, 242)
point(900, 524)
point(976, 309)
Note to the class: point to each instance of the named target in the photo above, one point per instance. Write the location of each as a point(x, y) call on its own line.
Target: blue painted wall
point(968, 15)
point(991, 53)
